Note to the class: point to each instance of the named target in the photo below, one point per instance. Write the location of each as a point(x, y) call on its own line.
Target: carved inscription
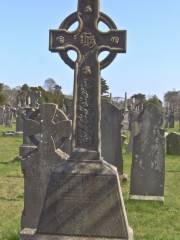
point(115, 40)
point(87, 70)
point(60, 40)
point(88, 9)
point(88, 40)
point(84, 133)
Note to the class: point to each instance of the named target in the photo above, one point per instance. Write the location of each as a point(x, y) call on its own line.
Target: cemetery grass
point(11, 187)
point(149, 220)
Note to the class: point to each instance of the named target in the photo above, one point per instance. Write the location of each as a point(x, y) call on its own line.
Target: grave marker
point(40, 157)
point(84, 198)
point(148, 161)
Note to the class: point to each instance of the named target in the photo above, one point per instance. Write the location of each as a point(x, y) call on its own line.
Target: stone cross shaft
point(88, 42)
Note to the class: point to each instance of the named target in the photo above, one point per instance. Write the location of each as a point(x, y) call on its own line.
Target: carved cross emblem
point(88, 42)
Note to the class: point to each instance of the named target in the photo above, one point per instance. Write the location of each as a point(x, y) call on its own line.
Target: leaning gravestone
point(111, 135)
point(39, 158)
point(84, 198)
point(173, 143)
point(148, 162)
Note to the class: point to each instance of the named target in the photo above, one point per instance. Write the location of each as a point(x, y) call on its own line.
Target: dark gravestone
point(84, 182)
point(171, 120)
point(2, 115)
point(8, 116)
point(111, 147)
point(34, 97)
point(133, 127)
point(173, 144)
point(19, 120)
point(148, 163)
point(40, 157)
point(166, 120)
point(111, 135)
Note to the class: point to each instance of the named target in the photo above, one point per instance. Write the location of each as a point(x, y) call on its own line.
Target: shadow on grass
point(18, 198)
point(15, 160)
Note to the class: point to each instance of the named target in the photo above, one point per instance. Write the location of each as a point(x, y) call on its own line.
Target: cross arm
point(60, 40)
point(113, 40)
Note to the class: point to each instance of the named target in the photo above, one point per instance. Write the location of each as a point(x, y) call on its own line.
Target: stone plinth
point(84, 199)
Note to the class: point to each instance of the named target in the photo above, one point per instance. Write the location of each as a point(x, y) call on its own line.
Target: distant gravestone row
point(6, 116)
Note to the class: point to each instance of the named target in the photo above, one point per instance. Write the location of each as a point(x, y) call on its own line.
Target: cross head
point(88, 42)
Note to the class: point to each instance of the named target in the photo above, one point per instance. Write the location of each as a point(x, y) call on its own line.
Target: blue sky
point(151, 65)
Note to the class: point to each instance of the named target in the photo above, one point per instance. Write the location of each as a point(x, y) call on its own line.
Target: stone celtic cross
point(88, 42)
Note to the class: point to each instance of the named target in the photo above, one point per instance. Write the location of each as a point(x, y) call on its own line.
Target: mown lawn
point(150, 220)
point(11, 187)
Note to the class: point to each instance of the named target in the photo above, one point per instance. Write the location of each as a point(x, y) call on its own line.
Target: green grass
point(149, 220)
point(3, 129)
point(153, 220)
point(11, 187)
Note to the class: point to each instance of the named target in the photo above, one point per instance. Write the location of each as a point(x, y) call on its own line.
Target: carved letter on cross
point(88, 42)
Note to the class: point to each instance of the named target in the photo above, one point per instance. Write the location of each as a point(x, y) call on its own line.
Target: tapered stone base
point(83, 201)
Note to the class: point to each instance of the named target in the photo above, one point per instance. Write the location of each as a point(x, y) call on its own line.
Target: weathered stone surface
point(40, 158)
point(173, 143)
point(111, 135)
point(171, 120)
point(84, 199)
point(19, 120)
point(34, 97)
point(125, 122)
point(148, 163)
point(133, 127)
point(2, 108)
point(8, 116)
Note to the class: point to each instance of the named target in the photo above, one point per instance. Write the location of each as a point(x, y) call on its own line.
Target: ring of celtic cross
point(69, 21)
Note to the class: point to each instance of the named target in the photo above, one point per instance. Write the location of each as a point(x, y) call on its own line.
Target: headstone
point(84, 198)
point(173, 143)
point(34, 97)
point(133, 127)
point(8, 116)
point(166, 120)
point(19, 120)
point(1, 115)
point(111, 135)
point(148, 161)
point(39, 158)
point(111, 147)
point(171, 119)
point(125, 122)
